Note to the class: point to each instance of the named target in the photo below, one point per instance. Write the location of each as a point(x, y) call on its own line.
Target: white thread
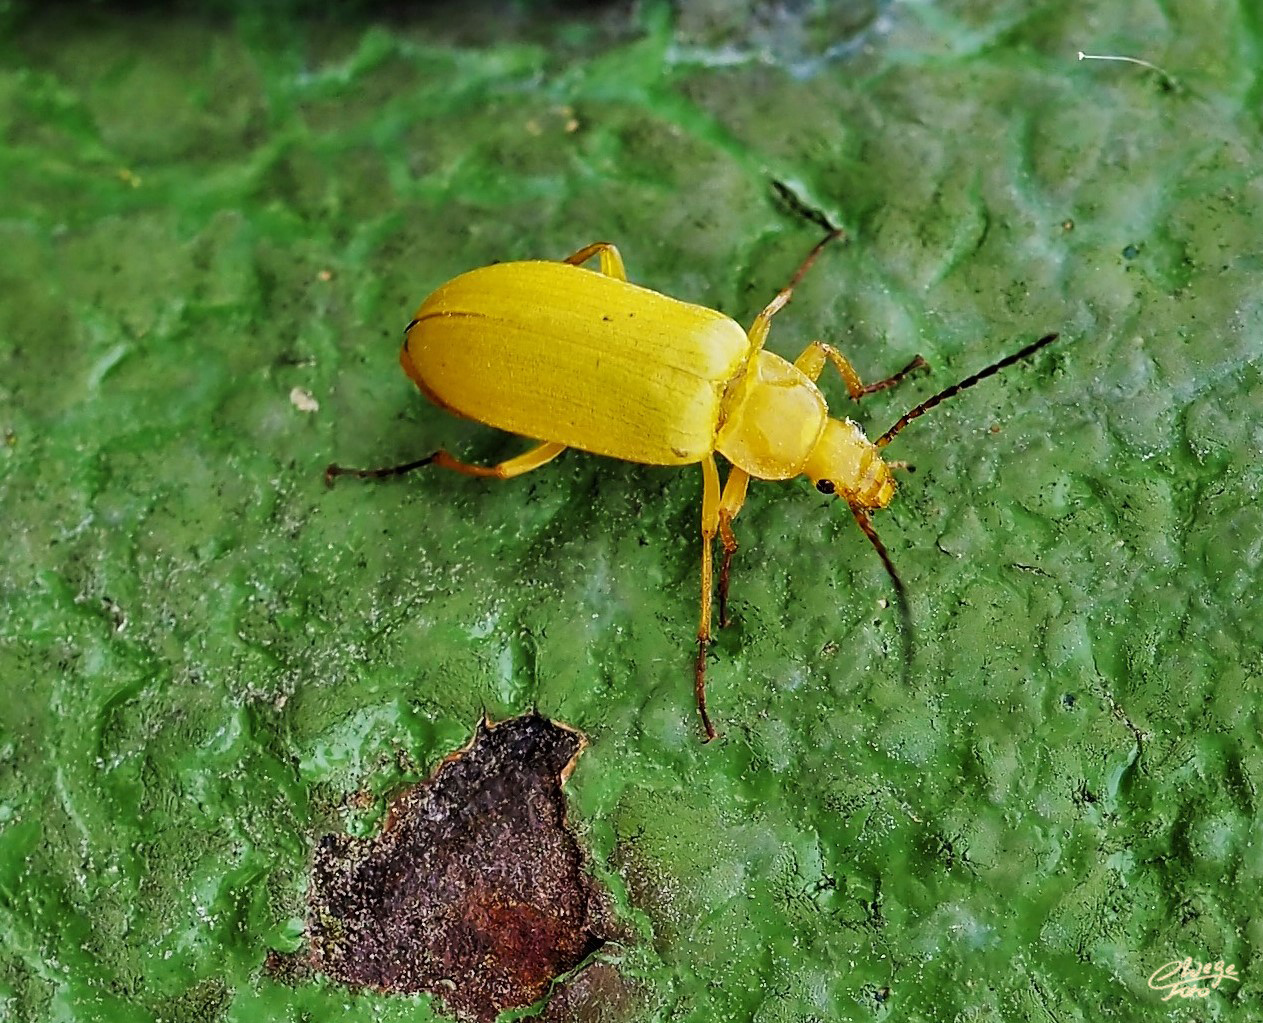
point(1128, 60)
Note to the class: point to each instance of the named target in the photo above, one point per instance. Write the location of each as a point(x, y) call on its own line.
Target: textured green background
point(203, 651)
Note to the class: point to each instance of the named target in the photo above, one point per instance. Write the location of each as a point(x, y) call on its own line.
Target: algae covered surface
point(213, 228)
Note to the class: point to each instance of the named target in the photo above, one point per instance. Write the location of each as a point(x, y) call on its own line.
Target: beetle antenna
point(968, 382)
point(905, 610)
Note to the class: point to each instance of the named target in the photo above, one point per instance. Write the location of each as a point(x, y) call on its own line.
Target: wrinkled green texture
point(204, 652)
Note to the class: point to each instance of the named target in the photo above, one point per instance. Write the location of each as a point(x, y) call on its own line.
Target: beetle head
point(846, 463)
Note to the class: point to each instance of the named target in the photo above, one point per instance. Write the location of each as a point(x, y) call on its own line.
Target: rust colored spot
point(475, 890)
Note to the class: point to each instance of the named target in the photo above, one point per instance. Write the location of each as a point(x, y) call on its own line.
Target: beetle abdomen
point(563, 354)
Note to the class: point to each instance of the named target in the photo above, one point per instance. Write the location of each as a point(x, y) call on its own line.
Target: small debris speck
point(303, 400)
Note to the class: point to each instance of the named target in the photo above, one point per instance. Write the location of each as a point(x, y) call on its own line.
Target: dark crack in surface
point(475, 889)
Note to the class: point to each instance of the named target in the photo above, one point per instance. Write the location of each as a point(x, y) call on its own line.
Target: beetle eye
point(826, 486)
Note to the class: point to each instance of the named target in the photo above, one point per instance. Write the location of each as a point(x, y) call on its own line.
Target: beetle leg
point(333, 470)
point(710, 522)
point(611, 261)
point(730, 503)
point(763, 322)
point(813, 359)
point(505, 470)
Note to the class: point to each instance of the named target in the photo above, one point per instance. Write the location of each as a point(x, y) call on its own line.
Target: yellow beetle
point(575, 358)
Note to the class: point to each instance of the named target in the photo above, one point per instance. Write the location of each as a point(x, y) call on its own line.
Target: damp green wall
point(204, 653)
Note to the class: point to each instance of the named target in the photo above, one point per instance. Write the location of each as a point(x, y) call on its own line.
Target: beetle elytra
point(572, 357)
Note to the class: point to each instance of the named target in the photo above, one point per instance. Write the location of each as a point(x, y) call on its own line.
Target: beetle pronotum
point(577, 358)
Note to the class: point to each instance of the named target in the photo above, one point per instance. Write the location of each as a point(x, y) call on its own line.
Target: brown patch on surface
point(475, 889)
point(596, 994)
point(288, 968)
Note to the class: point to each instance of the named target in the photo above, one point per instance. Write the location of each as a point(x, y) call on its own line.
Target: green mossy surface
point(204, 652)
